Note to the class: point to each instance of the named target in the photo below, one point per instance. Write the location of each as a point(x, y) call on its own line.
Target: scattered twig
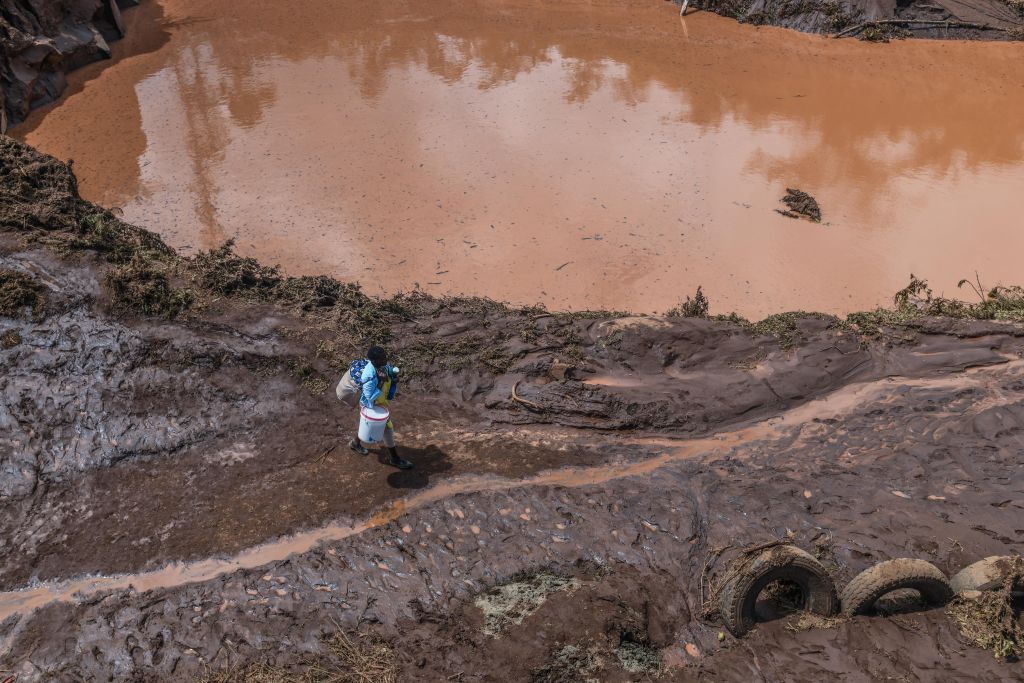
point(916, 22)
point(519, 399)
point(326, 453)
point(979, 290)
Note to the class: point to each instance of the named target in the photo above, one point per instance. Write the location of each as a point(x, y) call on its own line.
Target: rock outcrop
point(42, 40)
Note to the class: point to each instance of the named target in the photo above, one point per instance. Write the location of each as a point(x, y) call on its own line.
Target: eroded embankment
point(159, 409)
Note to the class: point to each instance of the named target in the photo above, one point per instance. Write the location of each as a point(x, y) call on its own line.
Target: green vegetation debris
point(697, 307)
point(223, 272)
point(143, 287)
point(350, 658)
point(808, 621)
point(638, 658)
point(571, 663)
point(10, 339)
point(19, 293)
point(990, 621)
point(801, 205)
point(916, 301)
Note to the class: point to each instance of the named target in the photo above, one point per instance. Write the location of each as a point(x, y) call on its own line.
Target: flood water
point(578, 153)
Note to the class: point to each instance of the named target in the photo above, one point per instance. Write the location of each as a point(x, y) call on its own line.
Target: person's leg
point(389, 443)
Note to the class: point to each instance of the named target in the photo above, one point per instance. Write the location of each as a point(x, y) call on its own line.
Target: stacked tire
point(990, 574)
point(861, 594)
point(738, 596)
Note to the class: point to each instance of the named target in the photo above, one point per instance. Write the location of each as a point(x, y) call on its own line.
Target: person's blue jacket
point(372, 388)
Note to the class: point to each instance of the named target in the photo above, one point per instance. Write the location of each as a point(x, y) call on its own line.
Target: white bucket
point(372, 422)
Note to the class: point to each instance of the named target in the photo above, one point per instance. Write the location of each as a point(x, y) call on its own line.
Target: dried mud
point(178, 501)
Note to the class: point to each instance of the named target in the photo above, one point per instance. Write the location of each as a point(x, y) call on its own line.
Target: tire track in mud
point(840, 402)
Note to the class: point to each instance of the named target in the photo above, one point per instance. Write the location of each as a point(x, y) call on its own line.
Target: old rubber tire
point(781, 563)
point(860, 595)
point(986, 575)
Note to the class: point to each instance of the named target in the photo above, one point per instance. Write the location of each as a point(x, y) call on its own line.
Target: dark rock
point(41, 41)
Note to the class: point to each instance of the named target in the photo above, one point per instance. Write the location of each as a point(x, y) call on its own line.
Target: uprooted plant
point(143, 287)
point(989, 620)
point(916, 301)
point(19, 293)
point(801, 205)
point(697, 307)
point(997, 303)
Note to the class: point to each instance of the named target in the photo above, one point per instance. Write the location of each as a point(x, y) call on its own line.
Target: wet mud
point(178, 499)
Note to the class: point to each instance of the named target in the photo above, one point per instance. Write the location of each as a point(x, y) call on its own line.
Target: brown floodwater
point(579, 153)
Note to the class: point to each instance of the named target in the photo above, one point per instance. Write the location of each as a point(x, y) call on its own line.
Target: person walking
point(374, 381)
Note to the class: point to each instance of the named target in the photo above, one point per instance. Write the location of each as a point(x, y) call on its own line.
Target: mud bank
point(41, 41)
point(881, 21)
point(160, 410)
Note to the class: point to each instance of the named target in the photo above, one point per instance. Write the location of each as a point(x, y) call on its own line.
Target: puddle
point(620, 382)
point(582, 154)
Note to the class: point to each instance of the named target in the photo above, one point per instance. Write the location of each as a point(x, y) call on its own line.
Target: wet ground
point(178, 500)
point(601, 155)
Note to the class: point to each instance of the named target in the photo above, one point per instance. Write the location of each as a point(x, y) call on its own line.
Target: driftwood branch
point(915, 22)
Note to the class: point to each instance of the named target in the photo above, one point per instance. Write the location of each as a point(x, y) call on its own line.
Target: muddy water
point(585, 153)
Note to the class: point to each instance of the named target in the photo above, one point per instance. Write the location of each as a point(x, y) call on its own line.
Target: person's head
point(378, 356)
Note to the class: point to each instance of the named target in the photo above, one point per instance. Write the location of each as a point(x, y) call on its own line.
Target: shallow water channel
point(580, 153)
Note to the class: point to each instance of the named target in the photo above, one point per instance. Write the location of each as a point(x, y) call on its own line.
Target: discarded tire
point(781, 563)
point(860, 595)
point(988, 575)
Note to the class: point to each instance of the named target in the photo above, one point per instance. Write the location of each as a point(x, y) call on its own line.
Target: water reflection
point(310, 129)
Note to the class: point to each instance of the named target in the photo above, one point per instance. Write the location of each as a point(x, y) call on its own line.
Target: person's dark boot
point(358, 447)
point(398, 462)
